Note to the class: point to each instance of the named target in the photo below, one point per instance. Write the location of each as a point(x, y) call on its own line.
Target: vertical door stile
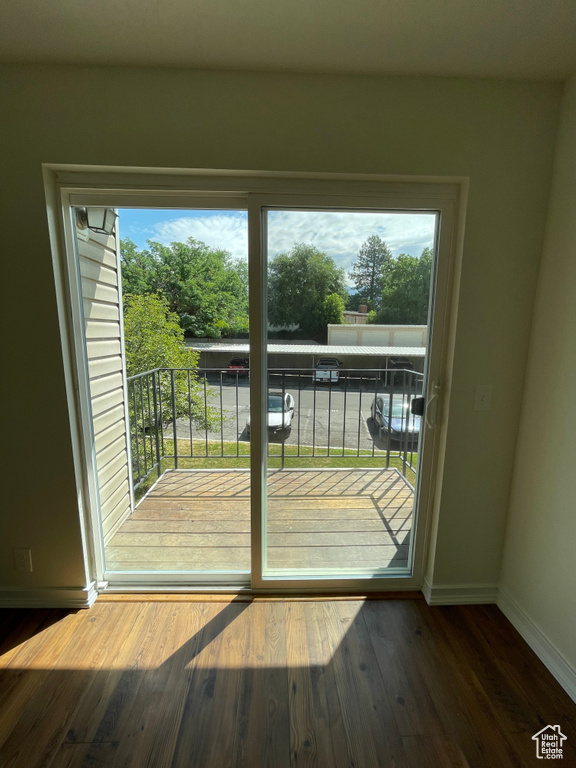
point(311, 541)
point(257, 271)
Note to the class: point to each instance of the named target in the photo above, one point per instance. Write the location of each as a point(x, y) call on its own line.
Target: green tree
point(368, 272)
point(138, 268)
point(334, 306)
point(298, 284)
point(154, 339)
point(406, 291)
point(205, 287)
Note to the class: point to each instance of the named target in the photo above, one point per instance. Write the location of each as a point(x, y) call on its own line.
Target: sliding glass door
point(298, 449)
point(169, 419)
point(348, 316)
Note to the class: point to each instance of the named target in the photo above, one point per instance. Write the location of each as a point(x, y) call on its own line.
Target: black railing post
point(151, 425)
point(360, 386)
point(314, 414)
point(299, 409)
point(161, 412)
point(143, 420)
point(135, 426)
point(329, 412)
point(283, 432)
point(376, 387)
point(221, 418)
point(345, 395)
point(157, 418)
point(404, 424)
point(190, 416)
point(174, 430)
point(391, 375)
point(237, 418)
point(205, 416)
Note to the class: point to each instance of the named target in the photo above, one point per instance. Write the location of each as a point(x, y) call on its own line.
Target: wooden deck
point(318, 520)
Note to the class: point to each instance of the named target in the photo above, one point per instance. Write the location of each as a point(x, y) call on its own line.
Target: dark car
point(391, 416)
point(239, 366)
point(395, 373)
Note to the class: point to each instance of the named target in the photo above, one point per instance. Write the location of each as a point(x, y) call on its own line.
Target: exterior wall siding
point(102, 307)
point(378, 335)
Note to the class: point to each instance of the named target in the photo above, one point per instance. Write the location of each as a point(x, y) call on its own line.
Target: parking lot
point(336, 415)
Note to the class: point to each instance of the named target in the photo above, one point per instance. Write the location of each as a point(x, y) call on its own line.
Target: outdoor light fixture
point(100, 220)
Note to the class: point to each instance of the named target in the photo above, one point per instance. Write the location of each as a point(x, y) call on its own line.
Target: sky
point(339, 234)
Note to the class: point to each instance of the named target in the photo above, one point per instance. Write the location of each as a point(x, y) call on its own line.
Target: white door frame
point(68, 186)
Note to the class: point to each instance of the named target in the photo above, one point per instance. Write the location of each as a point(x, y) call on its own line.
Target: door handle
point(417, 406)
point(435, 394)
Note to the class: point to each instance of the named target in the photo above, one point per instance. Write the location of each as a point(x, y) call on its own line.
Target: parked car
point(395, 375)
point(392, 416)
point(280, 414)
point(239, 366)
point(326, 370)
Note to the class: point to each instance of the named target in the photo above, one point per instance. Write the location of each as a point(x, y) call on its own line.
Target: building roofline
point(316, 350)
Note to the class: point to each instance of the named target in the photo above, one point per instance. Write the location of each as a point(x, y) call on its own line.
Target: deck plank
point(317, 519)
point(196, 525)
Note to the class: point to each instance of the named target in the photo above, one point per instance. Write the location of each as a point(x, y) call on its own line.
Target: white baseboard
point(466, 594)
point(459, 594)
point(537, 640)
point(48, 597)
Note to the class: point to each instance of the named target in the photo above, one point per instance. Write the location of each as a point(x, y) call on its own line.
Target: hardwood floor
point(286, 682)
point(322, 520)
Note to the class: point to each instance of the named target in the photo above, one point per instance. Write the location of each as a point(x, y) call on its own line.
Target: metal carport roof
point(316, 350)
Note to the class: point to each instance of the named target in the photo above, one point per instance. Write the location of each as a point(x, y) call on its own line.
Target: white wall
point(378, 335)
point(539, 566)
point(499, 133)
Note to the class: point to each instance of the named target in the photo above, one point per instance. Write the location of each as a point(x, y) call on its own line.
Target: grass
point(232, 460)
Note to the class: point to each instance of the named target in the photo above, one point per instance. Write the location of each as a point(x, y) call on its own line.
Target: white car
point(280, 414)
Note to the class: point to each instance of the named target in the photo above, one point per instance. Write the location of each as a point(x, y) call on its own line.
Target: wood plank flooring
point(318, 521)
point(281, 683)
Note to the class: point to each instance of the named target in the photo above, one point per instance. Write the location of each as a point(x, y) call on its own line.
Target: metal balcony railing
point(181, 414)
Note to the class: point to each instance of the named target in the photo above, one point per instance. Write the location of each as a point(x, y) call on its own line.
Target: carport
point(303, 356)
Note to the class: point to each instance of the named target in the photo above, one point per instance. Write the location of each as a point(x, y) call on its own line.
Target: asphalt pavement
point(338, 415)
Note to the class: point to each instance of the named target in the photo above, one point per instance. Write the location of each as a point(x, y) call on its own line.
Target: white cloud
point(339, 234)
point(228, 231)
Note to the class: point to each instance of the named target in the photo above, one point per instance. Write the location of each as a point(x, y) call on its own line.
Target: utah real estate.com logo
point(549, 743)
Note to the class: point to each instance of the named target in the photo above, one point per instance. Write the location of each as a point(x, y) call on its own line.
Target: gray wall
point(539, 567)
point(499, 133)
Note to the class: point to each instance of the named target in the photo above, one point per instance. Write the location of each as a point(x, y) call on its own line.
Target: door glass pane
point(348, 317)
point(174, 484)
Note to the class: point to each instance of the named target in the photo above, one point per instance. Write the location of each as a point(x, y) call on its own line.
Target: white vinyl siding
point(99, 329)
point(98, 349)
point(109, 435)
point(102, 306)
point(104, 365)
